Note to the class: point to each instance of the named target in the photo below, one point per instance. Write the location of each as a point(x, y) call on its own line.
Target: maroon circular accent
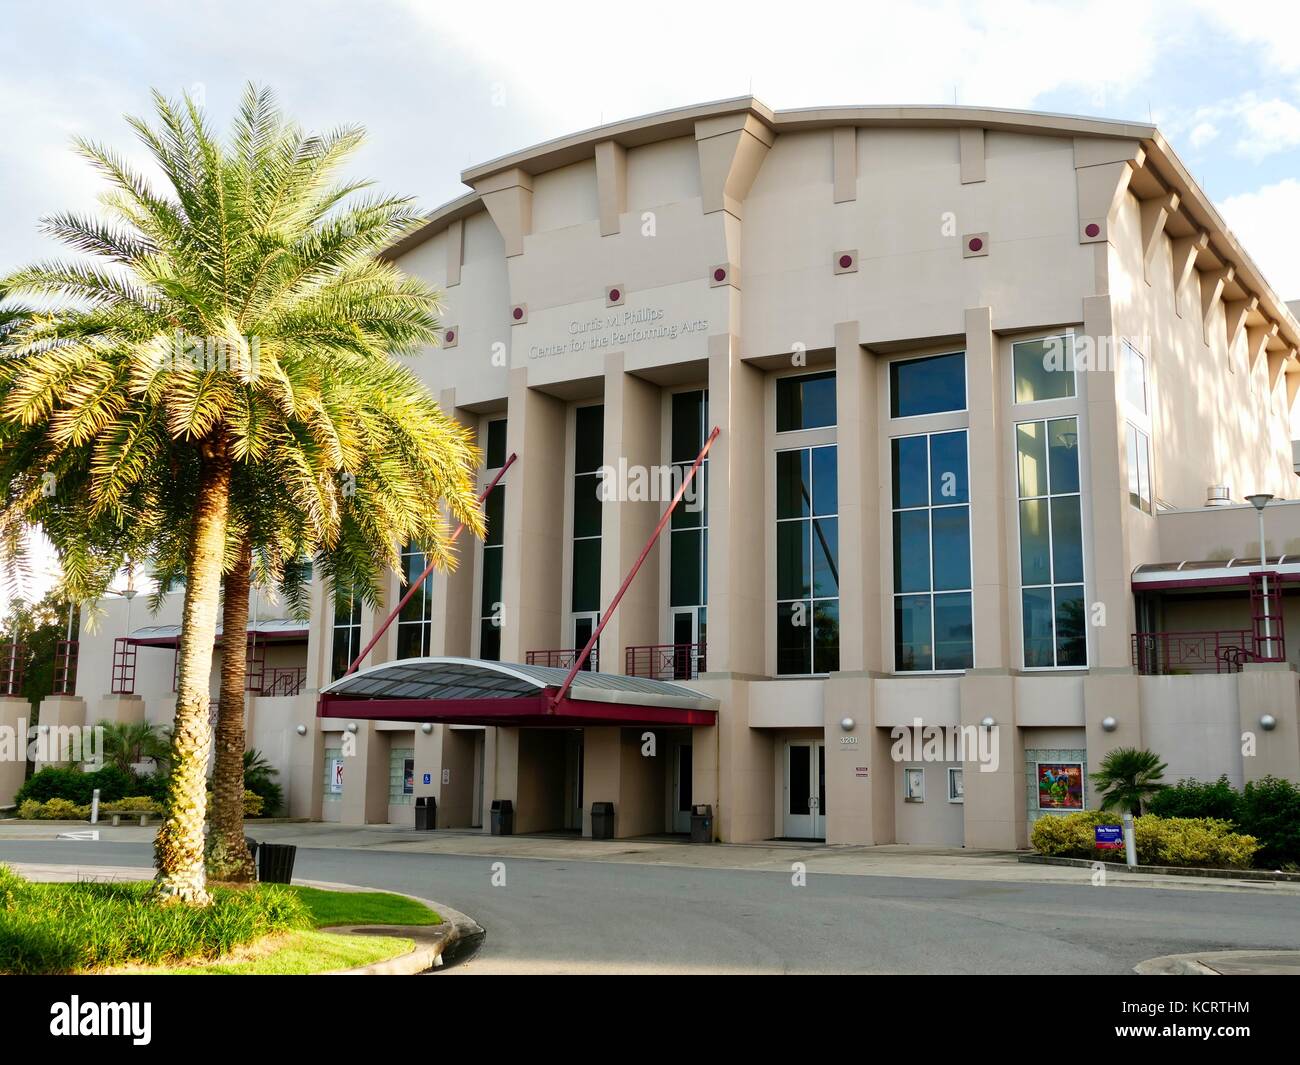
point(518, 313)
point(1092, 229)
point(976, 244)
point(719, 274)
point(451, 335)
point(846, 261)
point(614, 295)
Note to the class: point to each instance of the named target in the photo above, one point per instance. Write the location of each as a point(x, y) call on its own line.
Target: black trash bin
point(426, 813)
point(275, 863)
point(602, 820)
point(251, 843)
point(701, 824)
point(503, 817)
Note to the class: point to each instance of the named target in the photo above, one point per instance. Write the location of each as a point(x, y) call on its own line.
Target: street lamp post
point(1259, 501)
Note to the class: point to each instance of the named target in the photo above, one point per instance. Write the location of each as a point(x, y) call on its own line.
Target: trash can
point(275, 863)
point(503, 817)
point(701, 824)
point(251, 843)
point(426, 813)
point(602, 820)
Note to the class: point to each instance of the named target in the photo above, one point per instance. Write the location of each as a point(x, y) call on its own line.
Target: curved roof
point(456, 679)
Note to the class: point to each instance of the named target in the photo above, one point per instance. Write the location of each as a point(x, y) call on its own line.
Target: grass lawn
point(94, 927)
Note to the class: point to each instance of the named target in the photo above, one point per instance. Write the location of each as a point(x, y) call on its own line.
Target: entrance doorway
point(573, 758)
point(805, 789)
point(680, 800)
point(583, 626)
point(688, 638)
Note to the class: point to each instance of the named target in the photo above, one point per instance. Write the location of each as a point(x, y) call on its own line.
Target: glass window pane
point(793, 490)
point(826, 557)
point(793, 638)
point(412, 640)
point(1035, 546)
point(495, 452)
point(489, 642)
point(1031, 451)
point(954, 635)
point(800, 779)
point(1044, 369)
point(805, 402)
point(793, 558)
point(912, 648)
point(911, 471)
point(949, 479)
point(1134, 484)
point(492, 560)
point(826, 636)
point(1063, 455)
point(494, 510)
point(1071, 642)
point(1135, 377)
point(951, 546)
point(1067, 539)
point(413, 563)
point(688, 423)
point(588, 439)
point(825, 479)
point(912, 551)
point(684, 581)
point(690, 511)
point(1037, 613)
point(586, 575)
point(586, 505)
point(927, 386)
point(1144, 472)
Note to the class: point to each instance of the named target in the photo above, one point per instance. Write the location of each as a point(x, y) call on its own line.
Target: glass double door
point(805, 789)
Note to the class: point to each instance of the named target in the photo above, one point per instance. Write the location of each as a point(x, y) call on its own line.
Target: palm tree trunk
point(178, 847)
point(228, 857)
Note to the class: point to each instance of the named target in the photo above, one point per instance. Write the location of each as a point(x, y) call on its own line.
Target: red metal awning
point(467, 691)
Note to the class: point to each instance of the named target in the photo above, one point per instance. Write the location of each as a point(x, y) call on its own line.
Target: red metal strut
point(427, 570)
point(563, 689)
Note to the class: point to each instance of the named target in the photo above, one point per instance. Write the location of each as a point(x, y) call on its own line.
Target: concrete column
point(988, 492)
point(303, 781)
point(704, 770)
point(1114, 695)
point(1266, 689)
point(15, 718)
point(456, 793)
point(365, 778)
point(858, 438)
point(744, 808)
point(602, 772)
point(117, 709)
point(632, 421)
point(860, 773)
point(994, 805)
point(59, 712)
point(452, 623)
point(1106, 507)
point(534, 532)
point(738, 610)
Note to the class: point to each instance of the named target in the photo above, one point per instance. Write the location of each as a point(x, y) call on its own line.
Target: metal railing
point(65, 667)
point(1204, 651)
point(13, 667)
point(283, 680)
point(562, 659)
point(669, 661)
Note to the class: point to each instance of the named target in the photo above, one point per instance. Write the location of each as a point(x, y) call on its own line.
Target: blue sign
point(1109, 837)
point(428, 778)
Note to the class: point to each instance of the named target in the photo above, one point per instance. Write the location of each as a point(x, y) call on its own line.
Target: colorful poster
point(1060, 785)
point(408, 776)
point(336, 782)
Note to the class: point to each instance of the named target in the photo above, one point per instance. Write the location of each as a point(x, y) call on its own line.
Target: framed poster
point(914, 785)
point(956, 787)
point(1060, 785)
point(336, 776)
point(408, 776)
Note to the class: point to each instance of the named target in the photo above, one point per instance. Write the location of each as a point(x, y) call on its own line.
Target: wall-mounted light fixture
point(1109, 724)
point(1268, 722)
point(352, 726)
point(426, 728)
point(848, 724)
point(301, 730)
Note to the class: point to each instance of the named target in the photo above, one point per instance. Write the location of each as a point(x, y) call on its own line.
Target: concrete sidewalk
point(774, 856)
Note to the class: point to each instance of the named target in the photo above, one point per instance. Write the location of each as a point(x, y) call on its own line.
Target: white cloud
point(1267, 222)
point(1202, 134)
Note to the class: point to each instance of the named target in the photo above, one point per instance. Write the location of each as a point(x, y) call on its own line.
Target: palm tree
point(126, 744)
point(228, 324)
point(1128, 777)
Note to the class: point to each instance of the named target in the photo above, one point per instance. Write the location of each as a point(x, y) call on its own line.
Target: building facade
point(974, 373)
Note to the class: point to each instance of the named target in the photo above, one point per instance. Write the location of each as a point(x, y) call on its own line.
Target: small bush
point(29, 809)
point(132, 804)
point(253, 804)
point(62, 928)
point(1160, 841)
point(63, 810)
point(1270, 811)
point(1195, 798)
point(75, 785)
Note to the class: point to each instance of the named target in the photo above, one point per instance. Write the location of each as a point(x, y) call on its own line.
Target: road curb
point(432, 941)
point(1167, 870)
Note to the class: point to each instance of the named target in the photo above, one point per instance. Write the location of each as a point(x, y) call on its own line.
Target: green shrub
point(154, 785)
point(63, 810)
point(29, 810)
point(1270, 811)
point(1196, 798)
point(253, 804)
point(1160, 841)
point(132, 804)
point(75, 785)
point(257, 777)
point(61, 928)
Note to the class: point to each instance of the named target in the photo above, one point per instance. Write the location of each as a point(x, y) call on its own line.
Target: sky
point(441, 86)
